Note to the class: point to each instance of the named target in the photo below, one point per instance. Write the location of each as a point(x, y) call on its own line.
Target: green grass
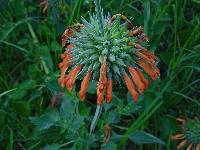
point(30, 46)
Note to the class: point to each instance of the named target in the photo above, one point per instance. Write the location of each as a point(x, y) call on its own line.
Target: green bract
point(192, 132)
point(91, 46)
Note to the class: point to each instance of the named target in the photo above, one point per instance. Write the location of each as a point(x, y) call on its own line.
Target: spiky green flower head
point(192, 131)
point(108, 48)
point(91, 47)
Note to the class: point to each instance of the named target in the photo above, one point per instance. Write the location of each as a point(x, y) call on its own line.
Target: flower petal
point(85, 85)
point(181, 144)
point(152, 72)
point(189, 147)
point(178, 137)
point(144, 80)
point(130, 87)
point(109, 91)
point(102, 83)
point(136, 79)
point(67, 33)
point(198, 147)
point(72, 77)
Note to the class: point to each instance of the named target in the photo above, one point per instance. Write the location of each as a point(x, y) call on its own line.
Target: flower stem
point(99, 13)
point(96, 117)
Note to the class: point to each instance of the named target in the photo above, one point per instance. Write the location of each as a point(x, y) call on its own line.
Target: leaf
point(92, 87)
point(55, 46)
point(51, 147)
point(167, 126)
point(77, 123)
point(47, 120)
point(196, 1)
point(84, 109)
point(23, 108)
point(141, 137)
point(21, 89)
point(10, 26)
point(2, 119)
point(112, 117)
point(67, 106)
point(146, 15)
point(6, 92)
point(44, 53)
point(110, 146)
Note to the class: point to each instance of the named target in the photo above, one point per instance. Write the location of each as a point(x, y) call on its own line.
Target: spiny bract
point(189, 135)
point(115, 54)
point(192, 131)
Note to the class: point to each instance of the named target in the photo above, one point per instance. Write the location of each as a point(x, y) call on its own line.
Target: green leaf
point(92, 87)
point(77, 123)
point(47, 120)
point(51, 147)
point(67, 106)
point(141, 137)
point(9, 27)
point(167, 126)
point(22, 89)
point(23, 108)
point(2, 119)
point(110, 146)
point(55, 46)
point(196, 1)
point(11, 141)
point(112, 117)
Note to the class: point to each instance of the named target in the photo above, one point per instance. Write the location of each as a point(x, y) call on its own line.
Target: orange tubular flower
point(72, 77)
point(67, 33)
point(144, 80)
point(136, 79)
point(131, 87)
point(180, 145)
point(85, 85)
point(101, 88)
point(146, 58)
point(102, 50)
point(148, 54)
point(64, 66)
point(139, 31)
point(109, 91)
point(152, 72)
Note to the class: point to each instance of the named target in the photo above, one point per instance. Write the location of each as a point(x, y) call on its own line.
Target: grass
point(30, 45)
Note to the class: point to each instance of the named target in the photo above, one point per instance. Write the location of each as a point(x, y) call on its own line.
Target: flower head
point(190, 133)
point(118, 55)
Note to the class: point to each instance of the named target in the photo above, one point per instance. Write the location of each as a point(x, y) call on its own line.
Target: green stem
point(96, 117)
point(99, 15)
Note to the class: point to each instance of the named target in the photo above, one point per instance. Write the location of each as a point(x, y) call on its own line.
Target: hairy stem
point(96, 117)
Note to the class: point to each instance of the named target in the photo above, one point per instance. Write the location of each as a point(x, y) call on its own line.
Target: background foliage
point(36, 114)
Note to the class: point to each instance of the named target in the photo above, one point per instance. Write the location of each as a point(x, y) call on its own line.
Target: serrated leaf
point(46, 121)
point(68, 106)
point(141, 137)
point(77, 123)
point(112, 117)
